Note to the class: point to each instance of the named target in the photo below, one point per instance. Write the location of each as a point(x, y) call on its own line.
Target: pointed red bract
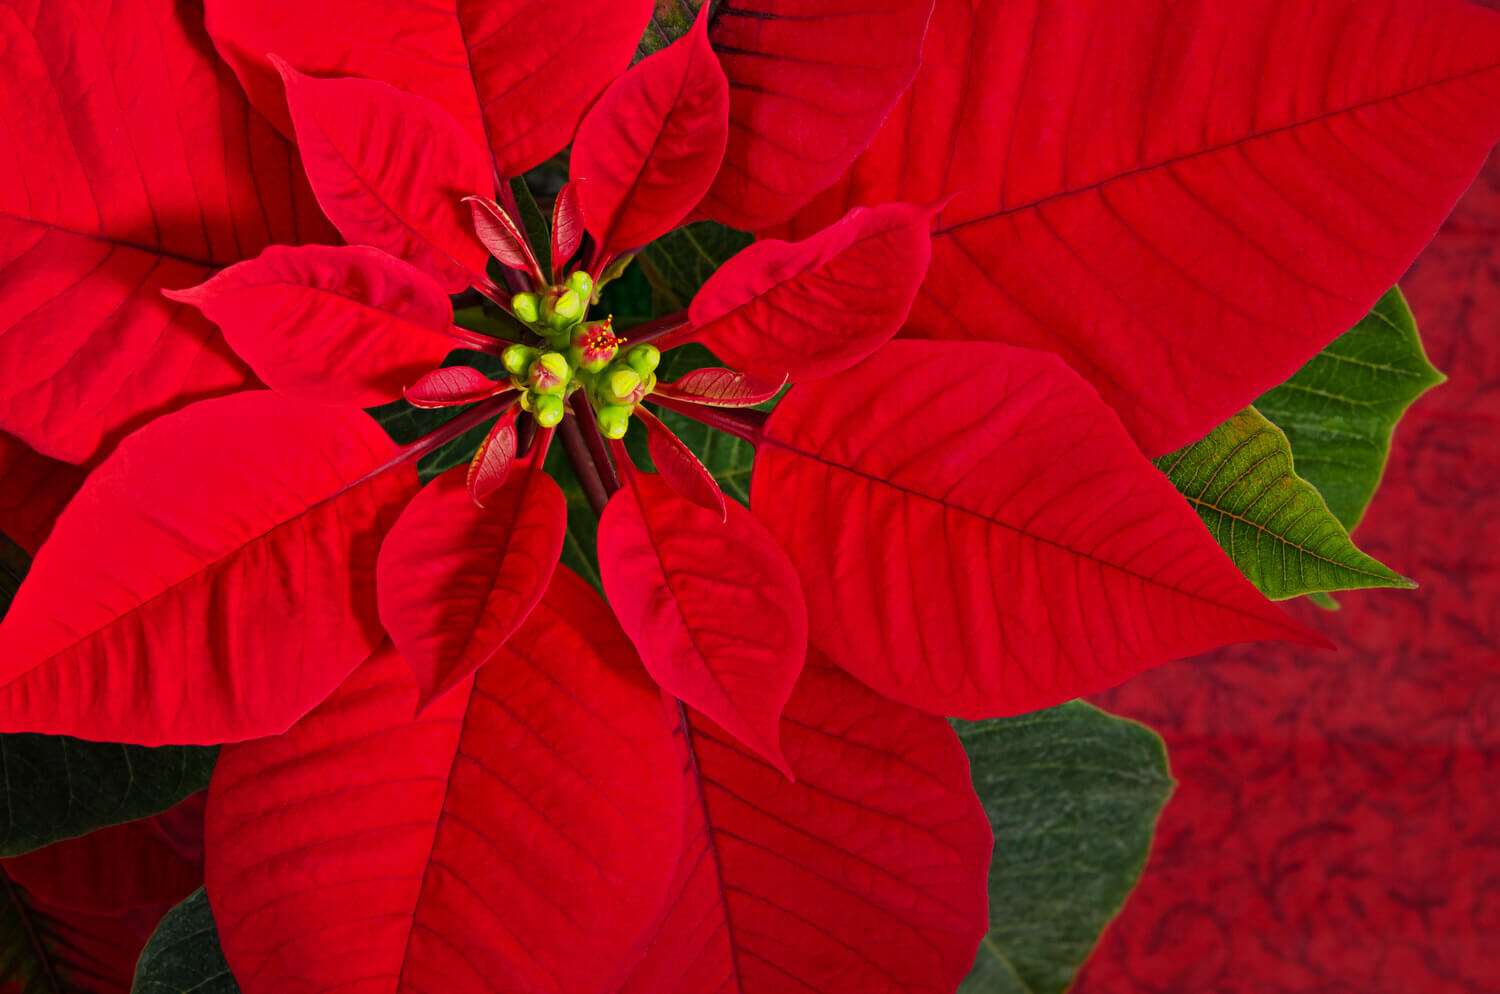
point(517, 75)
point(984, 538)
point(33, 491)
point(155, 861)
point(212, 581)
point(677, 465)
point(1181, 204)
point(503, 239)
point(519, 836)
point(391, 170)
point(811, 308)
point(867, 874)
point(490, 467)
point(108, 193)
point(651, 146)
point(712, 605)
point(809, 84)
point(455, 580)
point(567, 227)
point(719, 387)
point(349, 326)
point(453, 385)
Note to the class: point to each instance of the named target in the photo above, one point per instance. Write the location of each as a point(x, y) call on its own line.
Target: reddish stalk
point(588, 427)
point(583, 464)
point(658, 330)
point(749, 425)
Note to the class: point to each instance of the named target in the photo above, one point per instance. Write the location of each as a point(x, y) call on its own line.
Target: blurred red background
point(1336, 827)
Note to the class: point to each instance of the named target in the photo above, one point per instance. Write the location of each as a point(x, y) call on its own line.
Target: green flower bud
point(644, 359)
point(562, 309)
point(549, 374)
point(518, 359)
point(619, 384)
point(548, 410)
point(581, 283)
point(613, 420)
point(527, 307)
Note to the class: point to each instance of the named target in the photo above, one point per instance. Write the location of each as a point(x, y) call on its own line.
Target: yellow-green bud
point(581, 283)
point(549, 373)
point(548, 410)
point(620, 384)
point(613, 420)
point(518, 359)
point(644, 359)
point(527, 307)
point(562, 310)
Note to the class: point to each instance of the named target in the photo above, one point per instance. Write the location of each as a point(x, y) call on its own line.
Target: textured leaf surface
point(720, 387)
point(451, 386)
point(348, 326)
point(679, 262)
point(391, 170)
point(866, 874)
point(33, 491)
point(648, 150)
point(1340, 410)
point(131, 626)
point(811, 308)
point(1072, 795)
point(679, 467)
point(1273, 523)
point(106, 196)
point(1011, 554)
point(519, 836)
point(1172, 197)
point(712, 604)
point(508, 70)
point(183, 955)
point(809, 85)
point(455, 580)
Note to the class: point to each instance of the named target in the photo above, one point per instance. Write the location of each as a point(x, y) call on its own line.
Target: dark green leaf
point(53, 787)
point(538, 230)
point(183, 955)
point(1340, 409)
point(670, 21)
point(25, 959)
point(1274, 524)
point(679, 262)
point(1073, 795)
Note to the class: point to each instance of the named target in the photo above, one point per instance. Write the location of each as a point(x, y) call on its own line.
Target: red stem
point(588, 426)
point(583, 464)
point(476, 415)
point(658, 329)
point(470, 339)
point(747, 424)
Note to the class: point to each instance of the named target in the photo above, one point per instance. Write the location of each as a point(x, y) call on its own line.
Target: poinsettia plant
point(1004, 257)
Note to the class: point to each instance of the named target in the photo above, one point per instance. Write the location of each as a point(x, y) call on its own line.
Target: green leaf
point(679, 262)
point(538, 229)
point(1072, 794)
point(1274, 524)
point(25, 959)
point(183, 955)
point(669, 21)
point(53, 787)
point(1340, 409)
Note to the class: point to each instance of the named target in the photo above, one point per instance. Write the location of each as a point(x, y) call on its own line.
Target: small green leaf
point(1274, 524)
point(538, 229)
point(1324, 600)
point(1072, 794)
point(678, 263)
point(53, 787)
point(1340, 409)
point(183, 955)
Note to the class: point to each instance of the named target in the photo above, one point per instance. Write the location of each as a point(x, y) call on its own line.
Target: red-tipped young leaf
point(33, 491)
point(719, 387)
point(490, 467)
point(518, 76)
point(983, 538)
point(455, 579)
point(518, 837)
point(1185, 201)
point(711, 603)
point(809, 84)
point(651, 146)
point(391, 171)
point(867, 874)
point(212, 581)
point(453, 385)
point(108, 193)
point(811, 308)
point(682, 470)
point(349, 326)
point(567, 227)
point(503, 239)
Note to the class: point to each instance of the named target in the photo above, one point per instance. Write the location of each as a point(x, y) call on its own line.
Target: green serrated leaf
point(183, 955)
point(669, 21)
point(1339, 410)
point(1072, 794)
point(1274, 524)
point(678, 263)
point(53, 787)
point(538, 229)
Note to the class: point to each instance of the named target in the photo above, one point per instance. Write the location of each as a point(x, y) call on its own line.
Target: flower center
point(579, 355)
